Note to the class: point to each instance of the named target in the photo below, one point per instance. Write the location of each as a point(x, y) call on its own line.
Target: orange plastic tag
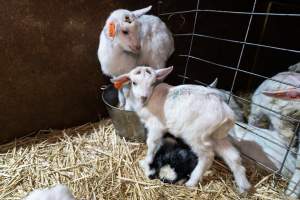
point(111, 29)
point(118, 84)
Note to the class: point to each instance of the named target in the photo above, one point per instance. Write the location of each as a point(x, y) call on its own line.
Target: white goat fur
point(238, 112)
point(224, 94)
point(295, 67)
point(155, 40)
point(193, 113)
point(58, 192)
point(282, 107)
point(264, 146)
point(268, 147)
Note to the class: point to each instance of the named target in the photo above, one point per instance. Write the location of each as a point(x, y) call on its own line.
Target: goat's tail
point(222, 129)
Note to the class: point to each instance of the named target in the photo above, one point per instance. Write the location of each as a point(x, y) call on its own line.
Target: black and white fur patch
point(174, 161)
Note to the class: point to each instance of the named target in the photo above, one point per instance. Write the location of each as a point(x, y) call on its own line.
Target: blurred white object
point(58, 192)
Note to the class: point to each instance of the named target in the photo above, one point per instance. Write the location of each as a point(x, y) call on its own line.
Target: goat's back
point(197, 110)
point(157, 42)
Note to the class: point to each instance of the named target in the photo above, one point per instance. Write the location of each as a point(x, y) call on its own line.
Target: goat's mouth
point(144, 101)
point(134, 49)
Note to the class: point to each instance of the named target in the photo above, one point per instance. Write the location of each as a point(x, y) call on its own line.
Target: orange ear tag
point(111, 29)
point(118, 84)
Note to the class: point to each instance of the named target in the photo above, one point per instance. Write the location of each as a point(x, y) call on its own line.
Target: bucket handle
point(103, 87)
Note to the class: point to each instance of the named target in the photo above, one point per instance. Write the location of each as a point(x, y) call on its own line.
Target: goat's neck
point(133, 102)
point(155, 105)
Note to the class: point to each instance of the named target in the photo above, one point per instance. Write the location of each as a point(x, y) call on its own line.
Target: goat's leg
point(205, 159)
point(232, 158)
point(255, 115)
point(154, 139)
point(293, 189)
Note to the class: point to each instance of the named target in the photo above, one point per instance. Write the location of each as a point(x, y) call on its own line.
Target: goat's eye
point(133, 83)
point(127, 19)
point(125, 32)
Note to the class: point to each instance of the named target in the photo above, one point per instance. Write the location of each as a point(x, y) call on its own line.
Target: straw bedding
point(96, 164)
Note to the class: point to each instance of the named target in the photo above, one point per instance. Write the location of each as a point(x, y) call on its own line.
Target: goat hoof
point(246, 187)
point(190, 183)
point(244, 190)
point(146, 168)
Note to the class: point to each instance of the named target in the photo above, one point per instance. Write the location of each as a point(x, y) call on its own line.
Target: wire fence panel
point(238, 68)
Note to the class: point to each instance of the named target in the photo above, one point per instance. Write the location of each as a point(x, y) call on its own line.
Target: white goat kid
point(196, 114)
point(58, 192)
point(131, 38)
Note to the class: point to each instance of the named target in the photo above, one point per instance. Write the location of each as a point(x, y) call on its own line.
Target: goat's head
point(123, 27)
point(143, 80)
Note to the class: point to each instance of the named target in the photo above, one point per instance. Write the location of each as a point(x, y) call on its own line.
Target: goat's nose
point(144, 99)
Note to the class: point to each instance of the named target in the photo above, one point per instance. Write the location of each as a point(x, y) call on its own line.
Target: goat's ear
point(111, 29)
point(120, 81)
point(287, 94)
point(142, 11)
point(162, 73)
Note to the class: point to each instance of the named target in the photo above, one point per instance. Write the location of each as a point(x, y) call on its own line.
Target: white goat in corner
point(131, 38)
point(193, 113)
point(292, 96)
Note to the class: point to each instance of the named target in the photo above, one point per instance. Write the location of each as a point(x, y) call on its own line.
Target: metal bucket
point(126, 123)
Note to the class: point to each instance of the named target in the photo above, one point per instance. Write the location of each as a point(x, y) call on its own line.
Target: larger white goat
point(131, 38)
point(193, 113)
point(276, 107)
point(291, 95)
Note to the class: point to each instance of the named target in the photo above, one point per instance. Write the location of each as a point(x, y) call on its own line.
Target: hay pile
point(97, 164)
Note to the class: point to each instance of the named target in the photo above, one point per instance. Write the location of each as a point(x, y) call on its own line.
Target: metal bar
point(265, 138)
point(232, 12)
point(264, 166)
point(237, 69)
point(191, 43)
point(289, 147)
point(261, 36)
point(242, 51)
point(288, 118)
point(240, 70)
point(238, 42)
